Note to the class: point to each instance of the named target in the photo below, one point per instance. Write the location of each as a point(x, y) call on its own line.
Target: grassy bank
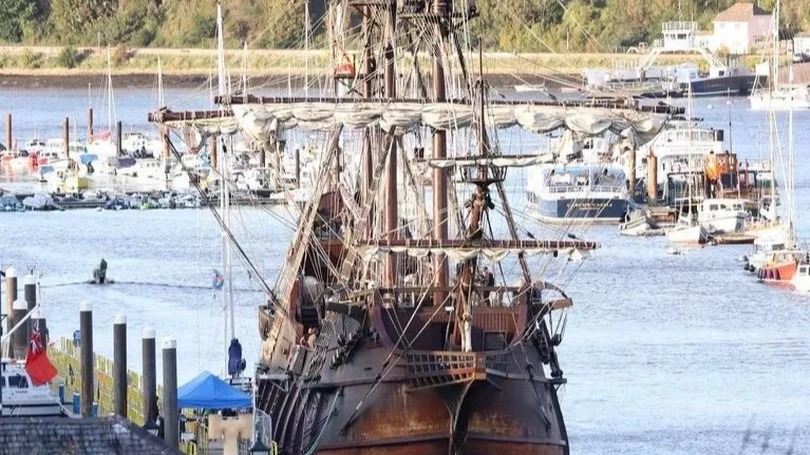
point(68, 61)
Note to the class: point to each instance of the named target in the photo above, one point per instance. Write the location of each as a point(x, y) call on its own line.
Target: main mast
point(440, 9)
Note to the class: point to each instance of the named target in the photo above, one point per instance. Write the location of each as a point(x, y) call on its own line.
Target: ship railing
point(585, 189)
point(675, 26)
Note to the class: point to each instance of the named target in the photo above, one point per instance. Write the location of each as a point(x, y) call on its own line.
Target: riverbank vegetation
point(525, 26)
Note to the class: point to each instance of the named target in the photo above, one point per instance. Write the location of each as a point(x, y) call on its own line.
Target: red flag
point(37, 364)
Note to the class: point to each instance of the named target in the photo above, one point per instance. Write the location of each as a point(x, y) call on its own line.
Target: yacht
point(21, 398)
point(578, 193)
point(781, 98)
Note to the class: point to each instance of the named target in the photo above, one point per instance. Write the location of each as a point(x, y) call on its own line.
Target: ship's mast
point(392, 202)
point(440, 10)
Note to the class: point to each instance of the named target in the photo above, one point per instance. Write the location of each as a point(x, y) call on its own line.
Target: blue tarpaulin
point(207, 391)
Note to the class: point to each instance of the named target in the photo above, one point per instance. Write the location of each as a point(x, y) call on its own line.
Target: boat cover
point(207, 391)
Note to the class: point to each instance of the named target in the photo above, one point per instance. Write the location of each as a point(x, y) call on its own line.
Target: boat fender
point(776, 275)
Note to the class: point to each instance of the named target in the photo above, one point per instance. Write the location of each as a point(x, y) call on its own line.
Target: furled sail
point(261, 120)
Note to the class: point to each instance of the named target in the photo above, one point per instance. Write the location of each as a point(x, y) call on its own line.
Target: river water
point(663, 354)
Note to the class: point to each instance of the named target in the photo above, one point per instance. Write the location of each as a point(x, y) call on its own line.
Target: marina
point(403, 257)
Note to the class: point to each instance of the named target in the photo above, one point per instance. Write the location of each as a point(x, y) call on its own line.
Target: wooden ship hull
point(414, 402)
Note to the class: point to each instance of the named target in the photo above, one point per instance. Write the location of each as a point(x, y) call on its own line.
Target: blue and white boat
point(578, 193)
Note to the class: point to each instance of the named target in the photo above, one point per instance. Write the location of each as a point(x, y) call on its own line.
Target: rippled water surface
point(663, 354)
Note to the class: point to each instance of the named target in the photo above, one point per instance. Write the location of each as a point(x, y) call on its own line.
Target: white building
point(801, 43)
point(740, 27)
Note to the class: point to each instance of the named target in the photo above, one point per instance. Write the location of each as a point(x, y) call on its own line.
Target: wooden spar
point(500, 244)
point(392, 201)
point(439, 152)
point(165, 115)
point(592, 103)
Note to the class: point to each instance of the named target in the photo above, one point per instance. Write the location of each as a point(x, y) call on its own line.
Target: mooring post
point(9, 132)
point(66, 136)
point(149, 381)
point(20, 338)
point(120, 365)
point(11, 296)
point(170, 413)
point(90, 124)
point(298, 168)
point(119, 138)
point(86, 358)
point(212, 152)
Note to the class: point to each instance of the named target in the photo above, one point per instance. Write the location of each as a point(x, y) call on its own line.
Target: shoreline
point(38, 67)
point(11, 80)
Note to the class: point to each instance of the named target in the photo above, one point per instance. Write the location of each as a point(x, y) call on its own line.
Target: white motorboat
point(21, 398)
point(723, 216)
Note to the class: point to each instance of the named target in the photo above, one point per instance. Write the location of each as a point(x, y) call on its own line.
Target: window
point(18, 381)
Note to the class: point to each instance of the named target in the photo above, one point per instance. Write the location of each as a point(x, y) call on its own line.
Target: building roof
point(93, 436)
point(740, 12)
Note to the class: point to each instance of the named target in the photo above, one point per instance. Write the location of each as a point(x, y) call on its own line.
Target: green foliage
point(515, 26)
point(68, 57)
point(31, 60)
point(16, 16)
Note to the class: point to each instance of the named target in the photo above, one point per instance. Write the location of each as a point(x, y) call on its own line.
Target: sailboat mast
point(790, 186)
point(224, 198)
point(306, 48)
point(440, 152)
point(109, 93)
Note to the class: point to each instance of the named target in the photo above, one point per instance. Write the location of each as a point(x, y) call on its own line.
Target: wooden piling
point(9, 132)
point(120, 365)
point(30, 290)
point(652, 177)
point(298, 168)
point(119, 138)
point(90, 124)
point(20, 338)
point(66, 136)
point(86, 357)
point(170, 414)
point(149, 381)
point(11, 296)
point(212, 152)
point(631, 172)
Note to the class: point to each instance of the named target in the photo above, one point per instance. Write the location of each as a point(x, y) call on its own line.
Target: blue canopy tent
point(207, 391)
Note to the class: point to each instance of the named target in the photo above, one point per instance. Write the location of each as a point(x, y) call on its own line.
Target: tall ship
point(429, 334)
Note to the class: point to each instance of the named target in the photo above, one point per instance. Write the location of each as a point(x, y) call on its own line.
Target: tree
point(74, 19)
point(14, 17)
